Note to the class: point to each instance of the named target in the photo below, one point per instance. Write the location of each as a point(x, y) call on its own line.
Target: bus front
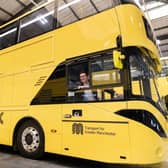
point(141, 65)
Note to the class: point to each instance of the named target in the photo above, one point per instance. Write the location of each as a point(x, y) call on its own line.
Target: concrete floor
point(10, 159)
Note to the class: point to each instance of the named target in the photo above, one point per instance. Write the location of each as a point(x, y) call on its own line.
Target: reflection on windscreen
point(143, 78)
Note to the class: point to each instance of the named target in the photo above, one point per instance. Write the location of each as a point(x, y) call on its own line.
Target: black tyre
point(30, 140)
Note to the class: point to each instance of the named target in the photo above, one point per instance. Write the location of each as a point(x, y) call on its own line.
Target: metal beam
point(65, 1)
point(25, 9)
point(156, 7)
point(38, 1)
point(5, 11)
point(163, 51)
point(93, 4)
point(1, 22)
point(164, 1)
point(163, 44)
point(160, 28)
point(35, 2)
point(162, 37)
point(21, 3)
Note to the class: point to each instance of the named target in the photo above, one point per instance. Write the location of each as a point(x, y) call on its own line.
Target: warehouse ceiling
point(158, 13)
point(156, 10)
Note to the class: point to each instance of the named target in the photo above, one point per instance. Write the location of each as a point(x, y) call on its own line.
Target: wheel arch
point(18, 125)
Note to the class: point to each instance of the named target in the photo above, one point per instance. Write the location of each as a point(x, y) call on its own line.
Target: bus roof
point(115, 2)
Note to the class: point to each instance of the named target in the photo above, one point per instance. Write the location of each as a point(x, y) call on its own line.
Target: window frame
point(54, 24)
point(90, 58)
point(146, 95)
point(18, 26)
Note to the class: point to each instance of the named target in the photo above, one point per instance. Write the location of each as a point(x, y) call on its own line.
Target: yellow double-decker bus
point(77, 79)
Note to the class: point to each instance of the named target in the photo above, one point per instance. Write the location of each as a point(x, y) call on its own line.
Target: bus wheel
point(30, 140)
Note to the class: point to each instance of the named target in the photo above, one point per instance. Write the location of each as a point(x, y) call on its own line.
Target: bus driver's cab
point(94, 78)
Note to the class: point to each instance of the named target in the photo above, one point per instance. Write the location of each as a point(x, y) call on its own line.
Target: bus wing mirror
point(117, 58)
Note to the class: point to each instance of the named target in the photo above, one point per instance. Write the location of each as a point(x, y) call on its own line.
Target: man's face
point(83, 78)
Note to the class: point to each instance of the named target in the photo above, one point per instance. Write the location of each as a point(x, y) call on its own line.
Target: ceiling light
point(158, 41)
point(158, 12)
point(68, 4)
point(42, 18)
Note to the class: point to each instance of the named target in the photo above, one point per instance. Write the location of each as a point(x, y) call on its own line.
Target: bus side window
point(106, 78)
point(95, 79)
point(8, 35)
point(37, 23)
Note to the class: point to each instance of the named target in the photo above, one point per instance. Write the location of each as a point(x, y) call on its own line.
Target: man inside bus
point(88, 93)
point(84, 80)
point(85, 84)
